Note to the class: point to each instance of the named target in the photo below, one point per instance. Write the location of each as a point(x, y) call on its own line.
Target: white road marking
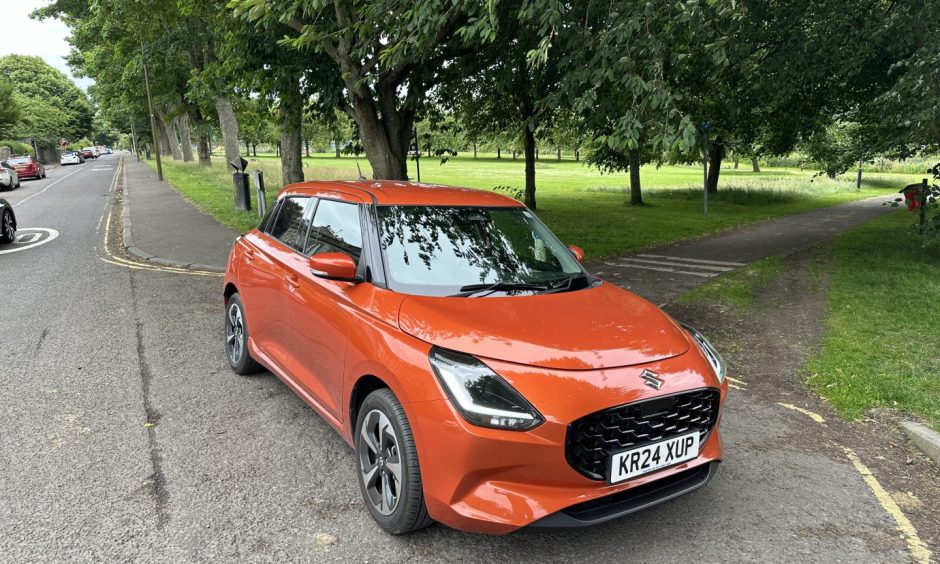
point(662, 269)
point(32, 245)
point(702, 261)
point(28, 198)
point(676, 263)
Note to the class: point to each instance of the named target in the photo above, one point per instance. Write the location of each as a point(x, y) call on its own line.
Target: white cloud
point(21, 35)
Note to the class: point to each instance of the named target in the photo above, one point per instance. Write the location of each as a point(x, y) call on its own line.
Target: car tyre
point(387, 465)
point(236, 338)
point(7, 231)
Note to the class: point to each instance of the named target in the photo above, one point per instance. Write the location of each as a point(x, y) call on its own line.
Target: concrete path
point(163, 225)
point(664, 273)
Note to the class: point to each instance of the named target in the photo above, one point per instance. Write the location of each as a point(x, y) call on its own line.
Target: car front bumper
point(496, 482)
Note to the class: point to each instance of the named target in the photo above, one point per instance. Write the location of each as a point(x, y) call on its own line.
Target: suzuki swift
point(483, 377)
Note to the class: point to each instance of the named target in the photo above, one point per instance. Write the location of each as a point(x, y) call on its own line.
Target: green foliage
point(836, 148)
point(16, 147)
point(9, 110)
point(50, 104)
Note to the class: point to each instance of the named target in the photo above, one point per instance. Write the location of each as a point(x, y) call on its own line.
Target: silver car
point(8, 177)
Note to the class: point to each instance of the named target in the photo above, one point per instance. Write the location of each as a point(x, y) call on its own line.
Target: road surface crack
point(158, 484)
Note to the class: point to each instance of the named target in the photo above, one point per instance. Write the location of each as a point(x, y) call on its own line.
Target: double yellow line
point(117, 260)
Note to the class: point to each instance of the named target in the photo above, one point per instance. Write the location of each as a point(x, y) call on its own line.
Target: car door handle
point(249, 255)
point(293, 282)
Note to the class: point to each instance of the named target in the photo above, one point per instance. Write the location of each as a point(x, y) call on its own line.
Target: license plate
point(649, 458)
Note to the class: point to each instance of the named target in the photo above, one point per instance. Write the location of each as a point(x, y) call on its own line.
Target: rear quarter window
point(289, 226)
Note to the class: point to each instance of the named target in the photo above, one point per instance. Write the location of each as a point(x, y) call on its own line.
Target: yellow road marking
point(918, 549)
point(111, 258)
point(736, 381)
point(735, 386)
point(814, 416)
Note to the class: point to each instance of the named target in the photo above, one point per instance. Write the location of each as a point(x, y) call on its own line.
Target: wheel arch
point(230, 290)
point(365, 385)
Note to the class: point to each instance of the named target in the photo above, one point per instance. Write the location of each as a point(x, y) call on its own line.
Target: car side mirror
point(334, 266)
point(577, 251)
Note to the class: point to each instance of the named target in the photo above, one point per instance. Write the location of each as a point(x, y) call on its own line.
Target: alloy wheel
point(8, 232)
point(234, 333)
point(380, 462)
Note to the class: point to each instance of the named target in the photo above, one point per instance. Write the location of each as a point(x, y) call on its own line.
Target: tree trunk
point(755, 164)
point(736, 160)
point(336, 145)
point(163, 136)
point(290, 122)
point(384, 128)
point(254, 149)
point(474, 150)
point(577, 155)
point(499, 153)
point(307, 147)
point(528, 141)
point(170, 127)
point(714, 164)
point(228, 123)
point(186, 140)
point(514, 154)
point(636, 195)
point(204, 149)
point(536, 153)
point(559, 153)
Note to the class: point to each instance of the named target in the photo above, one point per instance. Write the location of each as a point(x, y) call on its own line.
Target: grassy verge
point(581, 205)
point(882, 347)
point(737, 287)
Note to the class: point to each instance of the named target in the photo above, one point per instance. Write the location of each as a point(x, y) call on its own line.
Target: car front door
point(262, 277)
point(318, 310)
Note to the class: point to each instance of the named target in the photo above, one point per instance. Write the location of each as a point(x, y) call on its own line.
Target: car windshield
point(440, 251)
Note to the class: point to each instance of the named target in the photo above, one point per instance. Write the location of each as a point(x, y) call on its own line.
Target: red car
point(27, 167)
point(484, 378)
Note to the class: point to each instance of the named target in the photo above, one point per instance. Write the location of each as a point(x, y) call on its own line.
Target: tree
point(51, 105)
point(387, 55)
point(9, 110)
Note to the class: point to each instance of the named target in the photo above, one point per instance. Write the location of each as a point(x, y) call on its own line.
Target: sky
point(23, 36)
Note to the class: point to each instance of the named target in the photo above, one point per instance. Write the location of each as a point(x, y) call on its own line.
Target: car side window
point(289, 227)
point(335, 229)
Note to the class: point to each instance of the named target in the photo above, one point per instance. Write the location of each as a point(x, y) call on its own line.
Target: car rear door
point(318, 310)
point(261, 278)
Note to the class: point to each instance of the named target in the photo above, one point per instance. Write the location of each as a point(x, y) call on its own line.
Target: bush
point(17, 148)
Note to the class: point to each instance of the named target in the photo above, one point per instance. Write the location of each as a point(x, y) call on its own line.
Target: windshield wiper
point(564, 284)
point(503, 286)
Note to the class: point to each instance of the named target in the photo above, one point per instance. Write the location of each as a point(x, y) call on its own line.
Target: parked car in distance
point(9, 179)
point(7, 222)
point(70, 158)
point(90, 152)
point(483, 377)
point(28, 167)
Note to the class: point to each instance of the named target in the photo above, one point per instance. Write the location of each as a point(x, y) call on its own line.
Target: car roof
point(402, 193)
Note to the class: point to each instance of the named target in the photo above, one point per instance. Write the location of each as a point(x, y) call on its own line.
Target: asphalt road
point(124, 436)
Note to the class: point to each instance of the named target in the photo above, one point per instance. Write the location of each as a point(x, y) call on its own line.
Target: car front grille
point(594, 438)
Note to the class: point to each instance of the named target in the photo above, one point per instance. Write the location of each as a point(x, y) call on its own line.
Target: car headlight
point(710, 352)
point(480, 395)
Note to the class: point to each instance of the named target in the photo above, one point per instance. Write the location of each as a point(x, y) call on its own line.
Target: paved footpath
point(164, 227)
point(664, 273)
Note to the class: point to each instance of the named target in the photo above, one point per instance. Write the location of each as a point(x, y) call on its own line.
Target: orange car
point(483, 377)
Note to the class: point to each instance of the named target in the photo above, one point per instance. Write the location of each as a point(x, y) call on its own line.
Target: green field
point(882, 347)
point(581, 205)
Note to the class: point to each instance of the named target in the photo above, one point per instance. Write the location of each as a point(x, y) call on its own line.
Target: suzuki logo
point(651, 380)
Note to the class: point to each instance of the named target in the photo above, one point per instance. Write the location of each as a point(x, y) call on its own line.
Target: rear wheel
point(236, 338)
point(387, 465)
point(7, 231)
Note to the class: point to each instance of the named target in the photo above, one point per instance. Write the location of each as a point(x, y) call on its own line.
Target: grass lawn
point(737, 287)
point(582, 206)
point(882, 347)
